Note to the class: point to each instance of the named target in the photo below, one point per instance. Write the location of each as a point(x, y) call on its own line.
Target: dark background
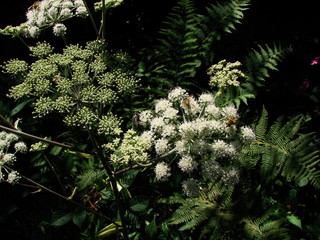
point(135, 25)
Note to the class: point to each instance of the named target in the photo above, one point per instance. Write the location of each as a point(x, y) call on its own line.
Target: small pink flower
point(315, 61)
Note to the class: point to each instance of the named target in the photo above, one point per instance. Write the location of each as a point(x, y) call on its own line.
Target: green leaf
point(60, 219)
point(19, 107)
point(151, 229)
point(55, 150)
point(140, 207)
point(78, 217)
point(294, 220)
point(302, 182)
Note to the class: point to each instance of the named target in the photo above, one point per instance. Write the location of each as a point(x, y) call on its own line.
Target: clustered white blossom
point(9, 142)
point(225, 74)
point(48, 13)
point(192, 134)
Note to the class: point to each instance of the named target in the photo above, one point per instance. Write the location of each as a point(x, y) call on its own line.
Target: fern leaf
point(260, 61)
point(90, 177)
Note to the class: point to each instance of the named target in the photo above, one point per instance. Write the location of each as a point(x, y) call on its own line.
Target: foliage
point(281, 150)
point(105, 146)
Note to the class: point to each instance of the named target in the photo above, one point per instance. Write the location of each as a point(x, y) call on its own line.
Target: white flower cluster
point(48, 13)
point(225, 74)
point(193, 129)
point(191, 133)
point(7, 158)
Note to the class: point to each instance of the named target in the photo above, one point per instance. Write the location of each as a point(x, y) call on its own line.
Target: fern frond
point(266, 227)
point(90, 177)
point(178, 48)
point(260, 61)
point(211, 209)
point(224, 16)
point(281, 150)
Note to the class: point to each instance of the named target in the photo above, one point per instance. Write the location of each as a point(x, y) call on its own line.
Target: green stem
point(63, 197)
point(91, 18)
point(114, 185)
point(23, 42)
point(56, 175)
point(104, 19)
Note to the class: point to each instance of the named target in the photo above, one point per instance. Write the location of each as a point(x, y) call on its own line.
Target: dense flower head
point(162, 171)
point(225, 74)
point(131, 149)
point(193, 134)
point(9, 147)
point(73, 83)
point(48, 13)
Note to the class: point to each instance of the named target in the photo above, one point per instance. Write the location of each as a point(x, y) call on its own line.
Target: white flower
point(247, 134)
point(53, 13)
point(78, 3)
point(13, 177)
point(168, 131)
point(212, 169)
point(161, 146)
point(59, 29)
point(41, 20)
point(4, 144)
point(21, 147)
point(66, 13)
point(181, 147)
point(33, 31)
point(216, 126)
point(230, 112)
point(145, 117)
point(231, 177)
point(3, 135)
point(190, 105)
point(67, 4)
point(188, 130)
point(177, 94)
point(223, 149)
point(157, 123)
point(212, 110)
point(190, 188)
point(10, 137)
point(170, 113)
point(31, 16)
point(162, 105)
point(187, 164)
point(206, 98)
point(82, 11)
point(8, 158)
point(162, 171)
point(147, 137)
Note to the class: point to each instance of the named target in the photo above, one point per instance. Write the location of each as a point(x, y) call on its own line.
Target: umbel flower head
point(187, 133)
point(45, 14)
point(75, 83)
point(9, 142)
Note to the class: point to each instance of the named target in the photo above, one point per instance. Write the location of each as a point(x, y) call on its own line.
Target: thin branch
point(33, 137)
point(91, 18)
